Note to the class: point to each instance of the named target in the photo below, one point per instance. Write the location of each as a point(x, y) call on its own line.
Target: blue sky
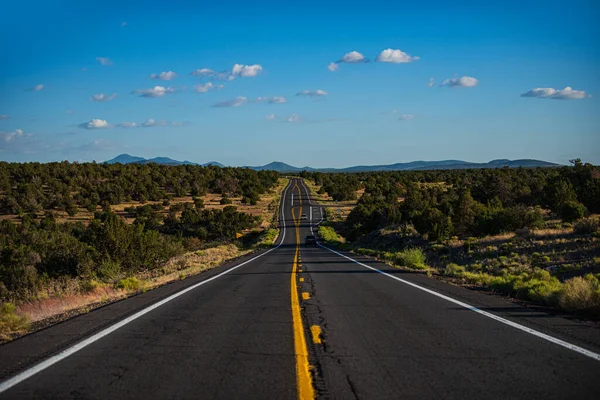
point(483, 57)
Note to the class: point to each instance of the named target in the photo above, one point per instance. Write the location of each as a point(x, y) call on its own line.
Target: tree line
point(39, 249)
point(464, 203)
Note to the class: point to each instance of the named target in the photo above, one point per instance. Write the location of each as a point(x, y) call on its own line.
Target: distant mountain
point(127, 159)
point(281, 167)
point(214, 164)
point(409, 166)
point(413, 166)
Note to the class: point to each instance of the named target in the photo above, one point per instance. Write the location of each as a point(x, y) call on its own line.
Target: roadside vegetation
point(532, 234)
point(140, 226)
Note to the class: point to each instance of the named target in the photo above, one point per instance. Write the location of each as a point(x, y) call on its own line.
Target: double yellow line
point(303, 377)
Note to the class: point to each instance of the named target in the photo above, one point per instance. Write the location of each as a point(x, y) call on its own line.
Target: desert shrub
point(131, 284)
point(329, 235)
point(108, 270)
point(587, 225)
point(10, 321)
point(413, 257)
point(454, 270)
point(571, 211)
point(581, 294)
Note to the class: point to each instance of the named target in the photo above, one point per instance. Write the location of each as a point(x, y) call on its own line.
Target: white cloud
point(123, 23)
point(37, 88)
point(549, 93)
point(352, 57)
point(431, 82)
point(238, 101)
point(164, 76)
point(394, 56)
point(312, 93)
point(203, 72)
point(333, 67)
point(270, 117)
point(272, 100)
point(150, 122)
point(10, 136)
point(69, 112)
point(96, 124)
point(156, 91)
point(4, 116)
point(406, 117)
point(294, 118)
point(246, 70)
point(206, 87)
point(104, 61)
point(128, 125)
point(463, 81)
point(98, 98)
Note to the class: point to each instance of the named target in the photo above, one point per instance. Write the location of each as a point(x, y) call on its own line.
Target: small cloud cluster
point(236, 102)
point(99, 98)
point(394, 56)
point(463, 81)
point(431, 82)
point(312, 93)
point(238, 70)
point(271, 100)
point(241, 100)
point(96, 124)
point(37, 88)
point(246, 70)
point(103, 124)
point(104, 61)
point(200, 88)
point(549, 93)
point(294, 118)
point(164, 76)
point(406, 117)
point(4, 116)
point(10, 136)
point(156, 91)
point(150, 123)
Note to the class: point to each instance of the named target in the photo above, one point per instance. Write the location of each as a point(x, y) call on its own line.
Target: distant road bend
point(304, 322)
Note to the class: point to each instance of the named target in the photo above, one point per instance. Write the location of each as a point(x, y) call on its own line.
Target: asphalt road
point(298, 322)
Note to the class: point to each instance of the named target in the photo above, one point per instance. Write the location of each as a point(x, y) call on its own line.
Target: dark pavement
point(233, 338)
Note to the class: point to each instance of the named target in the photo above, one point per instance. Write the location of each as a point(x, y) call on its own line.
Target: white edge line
point(523, 328)
point(28, 373)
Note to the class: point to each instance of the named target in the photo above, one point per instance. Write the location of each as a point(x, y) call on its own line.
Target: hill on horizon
point(282, 167)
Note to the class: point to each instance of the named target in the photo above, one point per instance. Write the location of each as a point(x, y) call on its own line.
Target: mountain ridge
point(282, 167)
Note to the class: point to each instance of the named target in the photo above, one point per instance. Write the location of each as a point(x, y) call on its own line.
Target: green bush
point(581, 294)
point(587, 225)
point(131, 284)
point(571, 211)
point(413, 258)
point(329, 235)
point(10, 321)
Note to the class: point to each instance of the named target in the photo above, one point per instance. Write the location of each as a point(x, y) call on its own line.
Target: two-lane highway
point(302, 322)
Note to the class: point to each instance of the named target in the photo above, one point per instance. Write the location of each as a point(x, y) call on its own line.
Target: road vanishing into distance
point(306, 322)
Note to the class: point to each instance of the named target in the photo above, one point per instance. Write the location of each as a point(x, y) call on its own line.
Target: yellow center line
point(316, 334)
point(303, 377)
